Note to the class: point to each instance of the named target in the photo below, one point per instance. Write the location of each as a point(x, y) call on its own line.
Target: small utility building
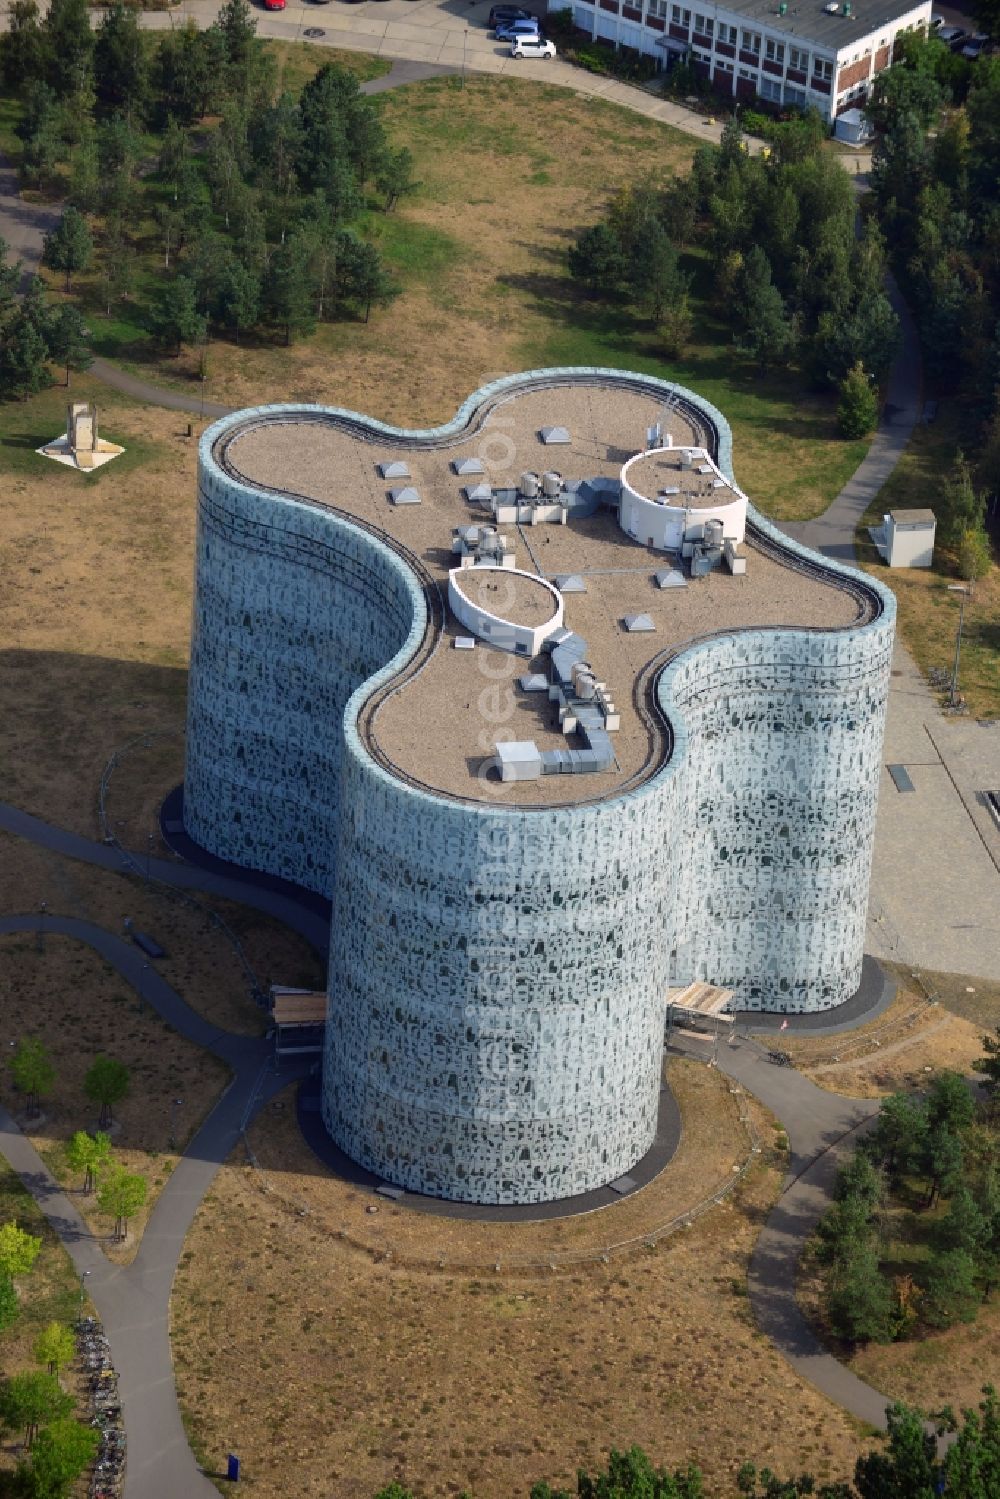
point(909, 538)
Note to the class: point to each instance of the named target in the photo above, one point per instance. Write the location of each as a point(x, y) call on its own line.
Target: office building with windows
point(824, 53)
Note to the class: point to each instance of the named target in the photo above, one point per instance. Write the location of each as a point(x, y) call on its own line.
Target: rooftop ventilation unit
point(712, 533)
point(465, 466)
point(529, 486)
point(554, 434)
point(670, 577)
point(570, 583)
point(551, 485)
point(478, 494)
point(394, 470)
point(638, 624)
point(406, 496)
point(832, 8)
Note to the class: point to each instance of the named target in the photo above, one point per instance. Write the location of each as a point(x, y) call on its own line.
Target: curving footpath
point(134, 1301)
point(822, 1129)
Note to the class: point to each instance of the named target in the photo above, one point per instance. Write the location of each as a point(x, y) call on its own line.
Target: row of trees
point(106, 1081)
point(58, 1448)
point(252, 218)
point(908, 1466)
point(923, 1152)
point(120, 1193)
point(787, 270)
point(936, 184)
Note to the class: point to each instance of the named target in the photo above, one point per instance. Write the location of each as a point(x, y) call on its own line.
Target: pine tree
point(68, 338)
point(121, 67)
point(176, 314)
point(69, 247)
point(287, 291)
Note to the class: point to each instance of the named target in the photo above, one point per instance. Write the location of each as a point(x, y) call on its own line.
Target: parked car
point(501, 13)
point(274, 4)
point(509, 31)
point(529, 46)
point(951, 36)
point(974, 46)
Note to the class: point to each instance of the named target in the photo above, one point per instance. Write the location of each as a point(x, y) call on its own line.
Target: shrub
point(857, 409)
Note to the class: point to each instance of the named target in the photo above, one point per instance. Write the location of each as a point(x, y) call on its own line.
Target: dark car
point(499, 14)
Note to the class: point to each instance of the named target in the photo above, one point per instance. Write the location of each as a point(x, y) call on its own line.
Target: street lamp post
point(174, 1106)
point(83, 1290)
point(965, 593)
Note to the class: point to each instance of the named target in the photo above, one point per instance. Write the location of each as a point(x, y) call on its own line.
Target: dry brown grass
point(332, 1371)
point(95, 603)
point(899, 1049)
point(508, 170)
point(944, 1368)
point(74, 1002)
point(200, 962)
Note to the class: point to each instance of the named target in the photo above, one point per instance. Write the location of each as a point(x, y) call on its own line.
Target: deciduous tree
point(31, 1066)
point(18, 1250)
point(88, 1153)
point(120, 1195)
point(31, 1400)
point(54, 1347)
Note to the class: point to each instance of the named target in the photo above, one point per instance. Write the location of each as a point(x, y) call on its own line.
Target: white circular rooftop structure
point(669, 494)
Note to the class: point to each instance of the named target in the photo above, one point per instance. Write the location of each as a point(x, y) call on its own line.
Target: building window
point(751, 42)
point(748, 73)
point(680, 17)
point(770, 88)
point(796, 96)
point(657, 8)
point(798, 60)
point(704, 25)
point(774, 51)
point(728, 35)
point(822, 68)
point(723, 65)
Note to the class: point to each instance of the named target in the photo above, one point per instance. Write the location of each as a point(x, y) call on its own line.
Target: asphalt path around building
point(134, 1301)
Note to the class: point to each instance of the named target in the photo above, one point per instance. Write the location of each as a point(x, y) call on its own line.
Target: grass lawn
point(928, 613)
point(452, 1378)
point(508, 172)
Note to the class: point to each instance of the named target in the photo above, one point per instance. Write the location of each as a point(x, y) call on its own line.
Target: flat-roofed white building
point(822, 53)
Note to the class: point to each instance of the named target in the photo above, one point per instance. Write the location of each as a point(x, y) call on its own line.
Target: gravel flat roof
point(443, 724)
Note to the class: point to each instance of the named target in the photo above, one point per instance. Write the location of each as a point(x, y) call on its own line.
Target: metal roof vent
point(465, 643)
point(463, 466)
point(405, 496)
point(478, 494)
point(638, 624)
point(570, 583)
point(394, 470)
point(554, 434)
point(670, 577)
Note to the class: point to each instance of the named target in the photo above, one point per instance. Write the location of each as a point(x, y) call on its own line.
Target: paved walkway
point(822, 1129)
point(833, 532)
point(133, 1301)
